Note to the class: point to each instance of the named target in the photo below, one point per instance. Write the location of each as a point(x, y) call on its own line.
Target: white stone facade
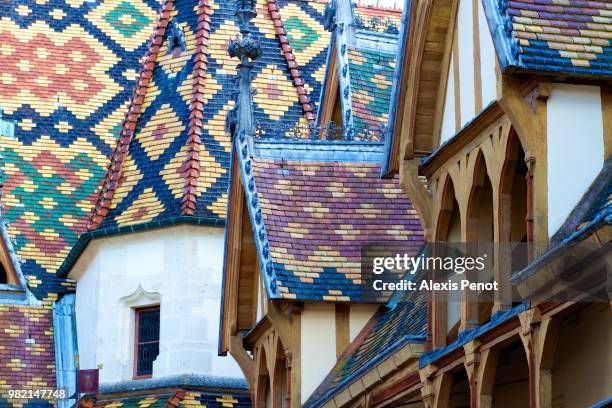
point(180, 269)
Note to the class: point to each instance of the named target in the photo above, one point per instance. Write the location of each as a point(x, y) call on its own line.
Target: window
point(146, 341)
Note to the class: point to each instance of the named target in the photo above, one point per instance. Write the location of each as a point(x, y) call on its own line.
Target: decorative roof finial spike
point(247, 49)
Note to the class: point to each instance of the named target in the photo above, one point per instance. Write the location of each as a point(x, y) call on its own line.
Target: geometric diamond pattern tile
point(67, 69)
point(306, 35)
point(158, 133)
point(128, 23)
point(66, 77)
point(275, 92)
point(146, 207)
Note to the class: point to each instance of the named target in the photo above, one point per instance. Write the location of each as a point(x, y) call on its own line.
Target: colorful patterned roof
point(601, 209)
point(173, 155)
point(392, 327)
point(371, 83)
point(27, 354)
point(567, 37)
point(379, 19)
point(175, 399)
point(67, 71)
point(77, 67)
point(316, 216)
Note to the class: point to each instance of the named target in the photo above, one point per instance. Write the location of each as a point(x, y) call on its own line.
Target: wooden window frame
point(137, 312)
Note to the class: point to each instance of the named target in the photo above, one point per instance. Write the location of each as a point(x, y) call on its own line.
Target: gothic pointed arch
point(281, 377)
point(263, 392)
point(514, 204)
point(448, 227)
point(480, 204)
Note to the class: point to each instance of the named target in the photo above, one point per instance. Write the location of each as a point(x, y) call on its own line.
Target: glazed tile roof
point(175, 162)
point(27, 354)
point(70, 107)
point(393, 326)
point(67, 70)
point(557, 36)
point(371, 82)
point(317, 215)
point(373, 18)
point(600, 211)
point(175, 399)
point(593, 211)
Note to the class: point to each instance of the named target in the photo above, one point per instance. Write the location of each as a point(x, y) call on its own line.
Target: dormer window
point(176, 39)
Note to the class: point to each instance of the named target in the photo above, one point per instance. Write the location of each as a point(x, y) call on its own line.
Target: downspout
point(66, 349)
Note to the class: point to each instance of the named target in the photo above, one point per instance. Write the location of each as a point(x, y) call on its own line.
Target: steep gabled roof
point(573, 37)
point(67, 71)
point(313, 206)
point(173, 157)
point(363, 61)
point(567, 38)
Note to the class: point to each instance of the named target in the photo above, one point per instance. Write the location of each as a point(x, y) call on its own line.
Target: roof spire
point(247, 49)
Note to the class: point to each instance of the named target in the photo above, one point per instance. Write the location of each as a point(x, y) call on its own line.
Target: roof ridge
point(292, 64)
point(111, 179)
point(191, 169)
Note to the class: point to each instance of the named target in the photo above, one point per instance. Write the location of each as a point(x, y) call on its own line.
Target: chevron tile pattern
point(319, 214)
point(68, 68)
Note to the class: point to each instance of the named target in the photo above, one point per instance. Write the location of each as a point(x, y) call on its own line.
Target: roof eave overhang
point(234, 217)
point(390, 165)
point(404, 353)
point(461, 139)
point(540, 280)
point(85, 238)
point(252, 336)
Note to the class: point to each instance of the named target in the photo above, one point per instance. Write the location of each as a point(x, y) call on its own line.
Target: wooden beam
point(606, 110)
point(342, 328)
point(419, 196)
point(244, 360)
point(456, 82)
point(446, 60)
point(281, 323)
point(476, 54)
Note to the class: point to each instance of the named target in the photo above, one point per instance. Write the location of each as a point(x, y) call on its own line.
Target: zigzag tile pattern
point(67, 70)
point(564, 36)
point(319, 214)
point(27, 357)
point(178, 398)
point(371, 83)
point(308, 40)
point(178, 157)
point(69, 108)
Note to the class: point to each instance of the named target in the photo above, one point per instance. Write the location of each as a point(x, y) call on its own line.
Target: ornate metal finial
point(247, 49)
